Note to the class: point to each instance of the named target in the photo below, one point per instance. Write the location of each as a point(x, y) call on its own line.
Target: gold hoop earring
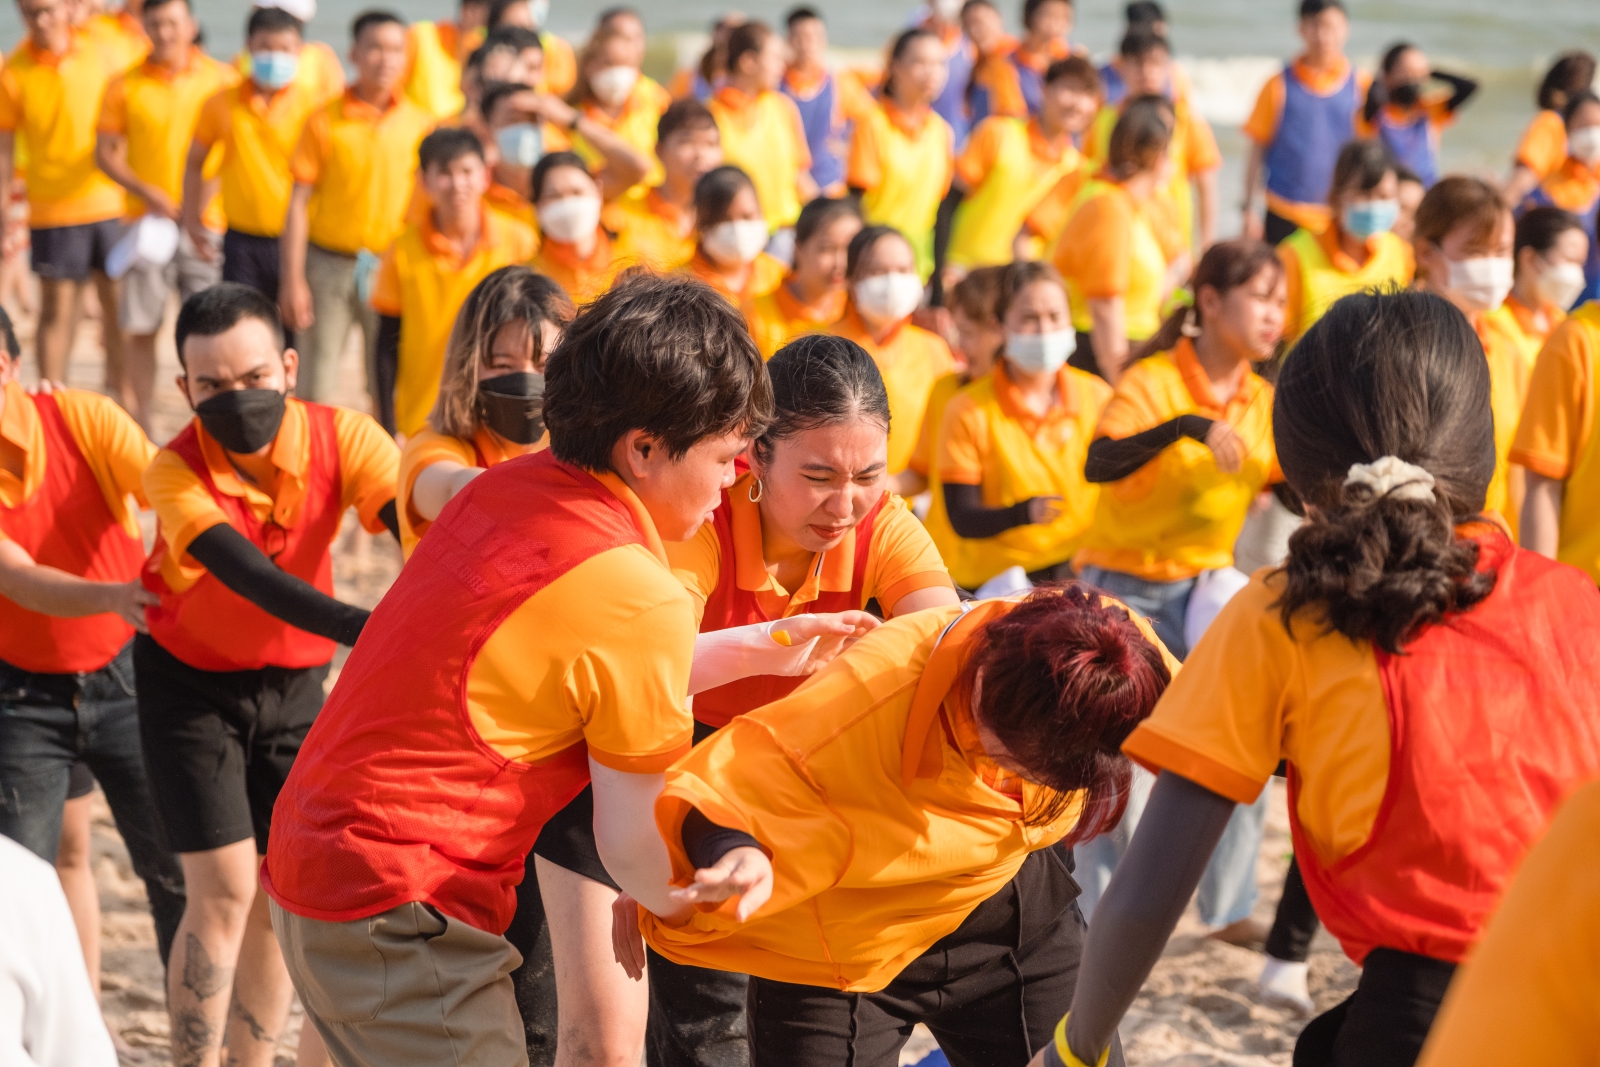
point(756, 491)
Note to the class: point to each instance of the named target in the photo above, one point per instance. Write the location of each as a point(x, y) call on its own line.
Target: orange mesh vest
point(212, 628)
point(728, 605)
point(66, 524)
point(1493, 720)
point(394, 796)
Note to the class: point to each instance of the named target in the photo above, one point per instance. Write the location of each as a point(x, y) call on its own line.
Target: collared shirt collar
point(442, 246)
point(19, 424)
point(291, 455)
point(1043, 147)
point(1329, 239)
point(909, 122)
point(826, 313)
point(357, 108)
point(805, 81)
point(832, 571)
point(641, 515)
point(567, 255)
point(1009, 398)
point(1321, 79)
point(861, 333)
point(1198, 383)
point(160, 70)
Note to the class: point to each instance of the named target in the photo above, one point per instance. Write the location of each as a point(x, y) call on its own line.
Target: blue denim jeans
point(50, 721)
point(1163, 603)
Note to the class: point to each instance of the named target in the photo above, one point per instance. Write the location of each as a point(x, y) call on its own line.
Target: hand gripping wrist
point(724, 656)
point(1064, 1056)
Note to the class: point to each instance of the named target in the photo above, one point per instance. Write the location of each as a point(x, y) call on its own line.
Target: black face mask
point(242, 420)
point(1406, 95)
point(513, 406)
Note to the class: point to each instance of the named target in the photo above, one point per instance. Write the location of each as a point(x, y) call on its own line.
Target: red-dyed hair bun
point(1065, 679)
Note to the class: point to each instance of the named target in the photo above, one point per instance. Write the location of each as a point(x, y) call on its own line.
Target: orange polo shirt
point(778, 317)
point(120, 36)
point(258, 134)
point(650, 231)
point(585, 278)
point(886, 822)
point(1179, 514)
point(154, 108)
point(361, 164)
point(1543, 147)
point(1262, 126)
point(910, 359)
point(368, 463)
point(1116, 246)
point(424, 449)
point(52, 102)
point(766, 274)
point(114, 447)
point(560, 64)
point(423, 281)
point(901, 559)
point(1531, 989)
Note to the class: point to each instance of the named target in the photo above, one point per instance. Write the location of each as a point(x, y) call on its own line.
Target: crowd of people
point(867, 543)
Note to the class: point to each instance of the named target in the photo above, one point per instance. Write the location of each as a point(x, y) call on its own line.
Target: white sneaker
point(1285, 982)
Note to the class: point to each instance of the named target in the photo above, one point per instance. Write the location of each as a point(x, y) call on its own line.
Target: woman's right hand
point(834, 631)
point(1226, 446)
point(1043, 510)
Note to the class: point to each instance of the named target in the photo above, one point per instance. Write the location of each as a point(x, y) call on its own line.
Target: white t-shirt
point(48, 1014)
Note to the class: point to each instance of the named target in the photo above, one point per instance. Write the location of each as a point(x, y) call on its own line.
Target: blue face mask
point(521, 144)
point(273, 70)
point(1368, 217)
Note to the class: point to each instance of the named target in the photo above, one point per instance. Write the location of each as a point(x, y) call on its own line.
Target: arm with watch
point(624, 166)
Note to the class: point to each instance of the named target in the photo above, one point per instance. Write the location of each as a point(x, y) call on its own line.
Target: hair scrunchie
point(1393, 476)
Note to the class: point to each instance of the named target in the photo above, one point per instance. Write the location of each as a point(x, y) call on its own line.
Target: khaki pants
point(407, 986)
point(336, 307)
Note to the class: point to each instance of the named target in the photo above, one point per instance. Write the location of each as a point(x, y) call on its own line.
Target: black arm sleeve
point(386, 368)
point(970, 519)
point(1112, 459)
point(390, 518)
point(1461, 89)
point(246, 570)
point(1180, 827)
point(943, 222)
point(704, 842)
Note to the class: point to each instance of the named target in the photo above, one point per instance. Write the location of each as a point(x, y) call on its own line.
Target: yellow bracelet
point(1066, 1054)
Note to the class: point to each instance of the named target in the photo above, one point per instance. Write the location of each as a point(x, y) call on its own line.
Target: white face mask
point(949, 10)
point(521, 144)
point(888, 298)
point(733, 244)
point(570, 219)
point(1482, 282)
point(1584, 144)
point(1560, 284)
point(1035, 353)
point(612, 85)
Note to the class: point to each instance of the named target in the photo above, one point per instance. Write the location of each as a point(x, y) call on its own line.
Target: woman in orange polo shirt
point(1399, 599)
point(1012, 444)
point(910, 798)
point(574, 249)
point(1575, 184)
point(1543, 146)
point(813, 296)
point(885, 290)
point(1121, 251)
point(1550, 249)
point(488, 406)
point(731, 237)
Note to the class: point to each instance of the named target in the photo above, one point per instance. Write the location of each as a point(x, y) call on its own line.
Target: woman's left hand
point(744, 872)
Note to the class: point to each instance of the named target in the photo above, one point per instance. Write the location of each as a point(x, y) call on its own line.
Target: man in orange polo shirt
point(354, 171)
point(70, 601)
point(249, 498)
point(146, 122)
point(50, 92)
point(258, 123)
point(536, 641)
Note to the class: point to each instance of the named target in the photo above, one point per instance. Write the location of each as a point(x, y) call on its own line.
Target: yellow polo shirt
point(361, 164)
point(53, 103)
point(1318, 272)
point(650, 231)
point(903, 163)
point(1008, 167)
point(778, 317)
point(423, 281)
point(910, 359)
point(258, 134)
point(636, 125)
point(155, 109)
point(763, 136)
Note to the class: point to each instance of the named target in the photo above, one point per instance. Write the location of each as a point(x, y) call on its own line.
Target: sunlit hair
point(1061, 680)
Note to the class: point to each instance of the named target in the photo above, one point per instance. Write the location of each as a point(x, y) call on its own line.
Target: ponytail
point(1225, 266)
point(1382, 424)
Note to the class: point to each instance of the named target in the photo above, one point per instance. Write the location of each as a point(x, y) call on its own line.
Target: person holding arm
point(812, 296)
point(614, 94)
point(1121, 252)
point(1550, 248)
point(1400, 597)
point(886, 847)
point(543, 670)
point(730, 237)
point(489, 407)
point(249, 498)
point(1406, 115)
point(1543, 147)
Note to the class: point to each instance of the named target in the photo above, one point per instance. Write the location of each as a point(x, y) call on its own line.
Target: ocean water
point(1229, 48)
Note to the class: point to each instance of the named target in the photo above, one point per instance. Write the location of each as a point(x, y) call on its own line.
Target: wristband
point(1064, 1051)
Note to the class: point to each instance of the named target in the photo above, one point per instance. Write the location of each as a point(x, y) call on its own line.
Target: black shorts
point(71, 253)
point(218, 745)
point(251, 260)
point(80, 781)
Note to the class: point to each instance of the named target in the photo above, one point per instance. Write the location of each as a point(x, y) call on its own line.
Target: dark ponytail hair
point(1141, 134)
point(1571, 72)
point(1225, 266)
point(1385, 374)
point(821, 380)
point(862, 243)
point(1541, 227)
point(714, 193)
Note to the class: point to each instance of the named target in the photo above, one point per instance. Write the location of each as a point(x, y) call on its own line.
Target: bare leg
point(602, 1011)
point(77, 882)
point(57, 301)
point(118, 383)
point(139, 376)
point(222, 885)
point(312, 1052)
point(261, 992)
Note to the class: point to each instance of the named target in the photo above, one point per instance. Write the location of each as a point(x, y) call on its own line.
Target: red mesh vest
point(394, 796)
point(66, 524)
point(212, 628)
point(729, 605)
point(1494, 717)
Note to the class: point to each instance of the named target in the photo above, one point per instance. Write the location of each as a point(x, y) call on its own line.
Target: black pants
point(1295, 923)
point(1385, 1021)
point(1276, 228)
point(991, 992)
point(52, 723)
point(252, 260)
